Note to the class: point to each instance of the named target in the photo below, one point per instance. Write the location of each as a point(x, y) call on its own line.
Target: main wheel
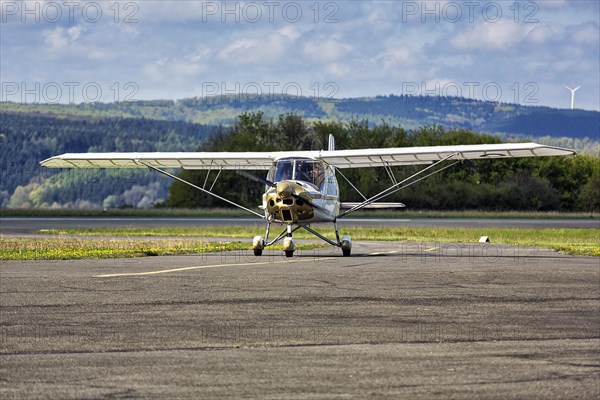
point(258, 252)
point(346, 246)
point(289, 253)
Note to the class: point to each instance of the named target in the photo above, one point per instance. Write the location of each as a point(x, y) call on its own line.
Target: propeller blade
point(310, 203)
point(284, 189)
point(256, 178)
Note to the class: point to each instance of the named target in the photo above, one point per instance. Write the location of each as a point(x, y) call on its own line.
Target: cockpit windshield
point(306, 170)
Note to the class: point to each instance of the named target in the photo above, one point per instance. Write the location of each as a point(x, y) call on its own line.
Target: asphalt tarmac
point(396, 320)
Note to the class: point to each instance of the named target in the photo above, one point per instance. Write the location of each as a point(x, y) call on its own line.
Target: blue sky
point(523, 52)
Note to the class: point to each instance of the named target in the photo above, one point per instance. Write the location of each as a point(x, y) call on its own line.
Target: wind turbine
point(572, 95)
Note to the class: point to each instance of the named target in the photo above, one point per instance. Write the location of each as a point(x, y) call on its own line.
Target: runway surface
point(397, 320)
point(25, 225)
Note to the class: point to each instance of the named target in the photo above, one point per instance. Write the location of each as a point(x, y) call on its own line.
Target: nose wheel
point(258, 245)
point(289, 246)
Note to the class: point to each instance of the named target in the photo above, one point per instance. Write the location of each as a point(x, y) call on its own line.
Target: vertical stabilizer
point(331, 145)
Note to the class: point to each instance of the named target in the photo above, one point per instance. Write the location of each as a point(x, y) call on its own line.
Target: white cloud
point(553, 3)
point(156, 70)
point(178, 70)
point(338, 70)
point(260, 50)
point(326, 50)
point(543, 34)
point(69, 43)
point(60, 38)
point(379, 17)
point(397, 57)
point(587, 34)
point(491, 36)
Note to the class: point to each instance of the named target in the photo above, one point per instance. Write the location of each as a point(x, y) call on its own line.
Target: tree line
point(535, 184)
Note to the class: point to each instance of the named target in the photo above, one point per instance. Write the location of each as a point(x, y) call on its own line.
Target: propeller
point(284, 189)
point(256, 178)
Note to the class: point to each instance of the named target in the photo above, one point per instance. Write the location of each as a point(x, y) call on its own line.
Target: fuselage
point(306, 191)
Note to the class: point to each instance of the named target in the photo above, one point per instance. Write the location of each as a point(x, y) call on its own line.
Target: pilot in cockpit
point(310, 171)
point(304, 171)
point(284, 171)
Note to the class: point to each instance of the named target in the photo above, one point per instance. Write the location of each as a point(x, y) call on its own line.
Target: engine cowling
point(289, 202)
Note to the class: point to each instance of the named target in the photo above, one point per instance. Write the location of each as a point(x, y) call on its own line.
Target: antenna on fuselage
point(331, 145)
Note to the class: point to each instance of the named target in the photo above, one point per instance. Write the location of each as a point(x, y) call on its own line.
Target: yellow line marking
point(431, 249)
point(384, 252)
point(165, 271)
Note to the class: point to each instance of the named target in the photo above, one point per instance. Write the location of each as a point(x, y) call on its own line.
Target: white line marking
point(165, 271)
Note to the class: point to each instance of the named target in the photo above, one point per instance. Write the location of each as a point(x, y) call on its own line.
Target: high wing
point(430, 154)
point(338, 158)
point(186, 160)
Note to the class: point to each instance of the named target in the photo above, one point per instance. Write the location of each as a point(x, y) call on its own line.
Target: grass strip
point(567, 241)
point(73, 248)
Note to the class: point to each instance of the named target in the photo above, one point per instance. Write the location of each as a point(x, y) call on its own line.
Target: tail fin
point(331, 146)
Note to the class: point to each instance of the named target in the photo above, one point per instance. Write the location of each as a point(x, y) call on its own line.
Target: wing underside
point(337, 158)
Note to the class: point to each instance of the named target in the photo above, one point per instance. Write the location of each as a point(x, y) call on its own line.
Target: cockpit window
point(310, 171)
point(284, 170)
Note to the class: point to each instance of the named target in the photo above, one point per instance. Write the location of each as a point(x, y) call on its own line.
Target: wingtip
point(44, 163)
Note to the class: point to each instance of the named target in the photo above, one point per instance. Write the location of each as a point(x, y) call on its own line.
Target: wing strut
point(351, 184)
point(398, 186)
point(388, 169)
point(199, 188)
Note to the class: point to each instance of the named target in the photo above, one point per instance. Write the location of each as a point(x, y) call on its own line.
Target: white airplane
point(301, 186)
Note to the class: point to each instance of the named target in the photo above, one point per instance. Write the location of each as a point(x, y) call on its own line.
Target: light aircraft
point(301, 187)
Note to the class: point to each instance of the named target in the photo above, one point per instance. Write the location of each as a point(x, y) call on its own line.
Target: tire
point(289, 253)
point(346, 246)
point(258, 252)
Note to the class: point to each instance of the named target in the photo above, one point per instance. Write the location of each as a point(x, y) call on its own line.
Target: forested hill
point(26, 139)
point(407, 111)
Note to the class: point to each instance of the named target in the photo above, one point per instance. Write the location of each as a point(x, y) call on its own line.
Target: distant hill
point(408, 111)
point(28, 138)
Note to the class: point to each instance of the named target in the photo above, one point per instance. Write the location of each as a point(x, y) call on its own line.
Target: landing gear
point(346, 245)
point(258, 245)
point(289, 245)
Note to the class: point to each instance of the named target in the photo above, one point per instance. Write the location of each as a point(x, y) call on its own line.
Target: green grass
point(73, 248)
point(568, 241)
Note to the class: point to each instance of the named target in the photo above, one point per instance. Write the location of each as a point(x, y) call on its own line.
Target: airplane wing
point(430, 154)
point(338, 158)
point(186, 160)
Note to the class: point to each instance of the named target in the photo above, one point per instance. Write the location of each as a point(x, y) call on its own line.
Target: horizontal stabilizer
point(374, 205)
